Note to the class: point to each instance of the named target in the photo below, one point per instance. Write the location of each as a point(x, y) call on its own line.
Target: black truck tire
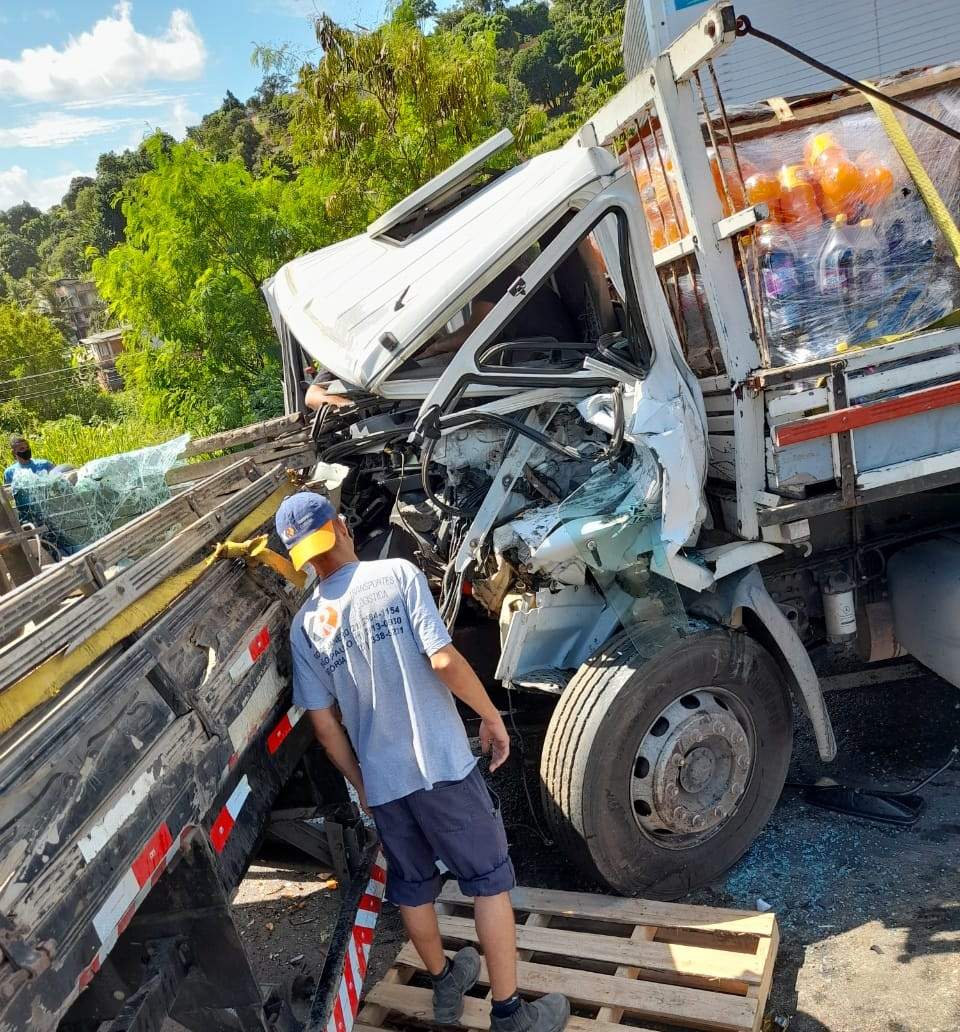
point(597, 790)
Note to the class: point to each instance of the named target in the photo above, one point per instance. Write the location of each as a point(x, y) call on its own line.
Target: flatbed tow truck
point(622, 534)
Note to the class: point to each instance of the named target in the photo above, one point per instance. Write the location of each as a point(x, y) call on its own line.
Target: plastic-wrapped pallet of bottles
point(850, 255)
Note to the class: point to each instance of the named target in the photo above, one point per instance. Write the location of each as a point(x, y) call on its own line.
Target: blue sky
point(79, 77)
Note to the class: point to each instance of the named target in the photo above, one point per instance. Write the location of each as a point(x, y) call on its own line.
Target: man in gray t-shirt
point(374, 666)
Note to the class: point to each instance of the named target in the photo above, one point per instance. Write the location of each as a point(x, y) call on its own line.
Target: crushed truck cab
point(673, 531)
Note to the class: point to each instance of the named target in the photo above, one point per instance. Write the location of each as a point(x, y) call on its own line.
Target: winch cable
point(746, 28)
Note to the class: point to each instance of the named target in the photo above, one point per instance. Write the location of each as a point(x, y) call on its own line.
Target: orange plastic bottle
point(816, 145)
point(763, 188)
point(877, 179)
point(840, 180)
point(799, 210)
point(736, 199)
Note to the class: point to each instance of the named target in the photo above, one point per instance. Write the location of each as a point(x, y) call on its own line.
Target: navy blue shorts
point(457, 822)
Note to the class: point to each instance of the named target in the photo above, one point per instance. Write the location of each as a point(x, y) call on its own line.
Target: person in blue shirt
point(24, 460)
point(374, 666)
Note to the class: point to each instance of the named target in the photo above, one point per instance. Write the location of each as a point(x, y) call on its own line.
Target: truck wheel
point(658, 771)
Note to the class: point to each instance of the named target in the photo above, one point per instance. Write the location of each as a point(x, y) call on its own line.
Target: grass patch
point(71, 441)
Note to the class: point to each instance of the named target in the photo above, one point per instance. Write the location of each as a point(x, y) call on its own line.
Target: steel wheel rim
point(692, 768)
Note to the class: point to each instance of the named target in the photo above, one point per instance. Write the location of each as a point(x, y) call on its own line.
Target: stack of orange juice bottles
point(840, 288)
point(666, 223)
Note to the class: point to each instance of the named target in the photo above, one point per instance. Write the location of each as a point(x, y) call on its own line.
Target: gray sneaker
point(448, 993)
point(548, 1014)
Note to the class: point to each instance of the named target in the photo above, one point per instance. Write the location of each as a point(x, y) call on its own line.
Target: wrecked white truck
point(673, 546)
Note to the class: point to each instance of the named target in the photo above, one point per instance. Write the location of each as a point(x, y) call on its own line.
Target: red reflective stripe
point(152, 854)
point(86, 975)
point(278, 734)
point(361, 942)
point(221, 829)
point(379, 874)
point(338, 1016)
point(858, 416)
point(371, 903)
point(348, 977)
point(260, 644)
point(127, 918)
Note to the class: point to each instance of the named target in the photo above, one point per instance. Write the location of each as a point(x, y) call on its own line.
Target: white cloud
point(57, 129)
point(179, 118)
point(138, 99)
point(110, 57)
point(16, 185)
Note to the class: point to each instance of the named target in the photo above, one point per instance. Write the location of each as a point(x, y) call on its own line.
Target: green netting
point(76, 507)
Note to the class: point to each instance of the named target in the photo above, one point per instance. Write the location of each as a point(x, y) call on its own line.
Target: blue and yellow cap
point(305, 525)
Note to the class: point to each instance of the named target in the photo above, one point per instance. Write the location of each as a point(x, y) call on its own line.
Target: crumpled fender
point(745, 589)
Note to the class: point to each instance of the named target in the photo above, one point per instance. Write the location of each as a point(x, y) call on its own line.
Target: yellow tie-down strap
point(46, 680)
point(939, 212)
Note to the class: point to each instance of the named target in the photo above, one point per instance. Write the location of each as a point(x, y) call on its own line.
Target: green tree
point(384, 111)
point(202, 236)
point(541, 68)
point(38, 378)
point(17, 255)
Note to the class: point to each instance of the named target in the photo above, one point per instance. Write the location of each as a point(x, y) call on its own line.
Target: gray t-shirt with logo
point(363, 641)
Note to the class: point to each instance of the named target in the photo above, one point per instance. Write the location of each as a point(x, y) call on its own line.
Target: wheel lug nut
point(696, 822)
point(719, 812)
point(743, 762)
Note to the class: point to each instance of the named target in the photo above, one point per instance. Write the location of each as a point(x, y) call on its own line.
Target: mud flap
point(336, 999)
point(745, 589)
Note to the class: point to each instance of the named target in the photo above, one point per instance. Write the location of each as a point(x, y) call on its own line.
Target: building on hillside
point(80, 305)
point(103, 349)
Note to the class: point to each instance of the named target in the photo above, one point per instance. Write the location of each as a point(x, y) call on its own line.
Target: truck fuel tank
point(924, 584)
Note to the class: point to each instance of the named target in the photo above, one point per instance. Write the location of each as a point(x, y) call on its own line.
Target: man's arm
point(333, 738)
point(453, 341)
point(457, 674)
point(318, 395)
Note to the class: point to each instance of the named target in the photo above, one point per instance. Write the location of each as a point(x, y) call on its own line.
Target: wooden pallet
point(622, 963)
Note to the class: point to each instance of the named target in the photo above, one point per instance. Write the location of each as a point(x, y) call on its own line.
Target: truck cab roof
point(361, 307)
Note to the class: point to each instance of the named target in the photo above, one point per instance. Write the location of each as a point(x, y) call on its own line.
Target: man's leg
point(497, 932)
point(413, 882)
point(421, 925)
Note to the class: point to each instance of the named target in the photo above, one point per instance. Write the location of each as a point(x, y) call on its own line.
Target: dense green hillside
point(179, 236)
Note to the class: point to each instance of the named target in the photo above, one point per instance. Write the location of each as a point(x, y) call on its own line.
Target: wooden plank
point(781, 406)
point(901, 471)
point(821, 107)
point(720, 424)
point(766, 954)
point(629, 911)
point(855, 417)
point(416, 1003)
point(879, 354)
point(612, 949)
point(652, 1000)
point(722, 403)
point(642, 933)
point(903, 376)
point(267, 430)
point(713, 384)
point(294, 450)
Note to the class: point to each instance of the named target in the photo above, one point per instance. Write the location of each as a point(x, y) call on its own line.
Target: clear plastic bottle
point(865, 295)
point(786, 285)
point(834, 279)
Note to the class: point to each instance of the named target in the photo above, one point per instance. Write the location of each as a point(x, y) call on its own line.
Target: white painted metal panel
point(864, 38)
